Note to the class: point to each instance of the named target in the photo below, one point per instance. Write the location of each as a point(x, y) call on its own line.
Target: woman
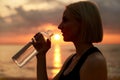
point(81, 24)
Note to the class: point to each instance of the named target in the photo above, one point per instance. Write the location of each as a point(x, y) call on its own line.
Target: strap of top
point(84, 57)
point(74, 74)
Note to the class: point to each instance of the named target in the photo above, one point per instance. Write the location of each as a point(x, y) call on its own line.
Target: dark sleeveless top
point(74, 74)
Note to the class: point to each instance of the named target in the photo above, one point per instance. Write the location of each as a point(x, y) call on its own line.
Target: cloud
point(38, 17)
point(28, 19)
point(24, 20)
point(110, 11)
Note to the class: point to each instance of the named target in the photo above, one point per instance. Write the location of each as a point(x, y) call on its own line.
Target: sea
point(55, 59)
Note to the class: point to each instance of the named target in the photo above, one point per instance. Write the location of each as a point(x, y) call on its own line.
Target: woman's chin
point(66, 39)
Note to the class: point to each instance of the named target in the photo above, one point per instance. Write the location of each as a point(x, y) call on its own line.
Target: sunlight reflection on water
point(57, 59)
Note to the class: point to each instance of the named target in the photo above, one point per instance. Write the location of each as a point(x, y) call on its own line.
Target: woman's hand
point(40, 44)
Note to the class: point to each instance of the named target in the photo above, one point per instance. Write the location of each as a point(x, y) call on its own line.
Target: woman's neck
point(82, 47)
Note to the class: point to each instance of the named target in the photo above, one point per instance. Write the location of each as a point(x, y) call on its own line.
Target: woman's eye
point(64, 19)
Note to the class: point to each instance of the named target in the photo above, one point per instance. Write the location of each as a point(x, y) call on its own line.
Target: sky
point(21, 19)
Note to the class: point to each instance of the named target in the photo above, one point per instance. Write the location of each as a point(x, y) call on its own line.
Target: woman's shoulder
point(94, 67)
point(96, 58)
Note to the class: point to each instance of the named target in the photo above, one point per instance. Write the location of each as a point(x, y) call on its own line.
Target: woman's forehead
point(67, 13)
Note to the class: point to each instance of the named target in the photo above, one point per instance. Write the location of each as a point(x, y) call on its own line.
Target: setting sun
point(56, 37)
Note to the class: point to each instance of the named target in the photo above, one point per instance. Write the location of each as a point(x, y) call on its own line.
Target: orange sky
point(111, 39)
point(22, 39)
point(14, 38)
point(16, 17)
point(108, 38)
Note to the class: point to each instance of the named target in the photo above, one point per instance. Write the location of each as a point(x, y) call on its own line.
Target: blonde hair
point(87, 13)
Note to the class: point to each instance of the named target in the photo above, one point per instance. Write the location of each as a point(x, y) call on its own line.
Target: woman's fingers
point(48, 43)
point(40, 43)
point(39, 38)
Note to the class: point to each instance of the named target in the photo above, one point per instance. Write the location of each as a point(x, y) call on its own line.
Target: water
point(55, 58)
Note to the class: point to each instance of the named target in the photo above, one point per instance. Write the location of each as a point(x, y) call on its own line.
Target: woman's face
point(69, 27)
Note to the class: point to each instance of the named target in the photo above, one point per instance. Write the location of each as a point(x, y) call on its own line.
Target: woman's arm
point(42, 46)
point(41, 68)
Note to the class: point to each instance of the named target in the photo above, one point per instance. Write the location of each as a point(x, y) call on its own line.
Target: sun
point(56, 37)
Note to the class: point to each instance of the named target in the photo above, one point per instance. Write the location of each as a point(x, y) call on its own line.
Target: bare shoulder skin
point(94, 68)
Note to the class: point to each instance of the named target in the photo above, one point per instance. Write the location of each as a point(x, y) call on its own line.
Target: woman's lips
point(62, 33)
